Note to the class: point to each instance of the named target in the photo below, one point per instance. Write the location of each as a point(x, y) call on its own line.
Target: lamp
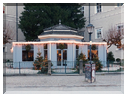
point(90, 29)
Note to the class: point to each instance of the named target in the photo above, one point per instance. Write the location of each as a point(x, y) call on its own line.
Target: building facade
point(104, 16)
point(9, 23)
point(49, 46)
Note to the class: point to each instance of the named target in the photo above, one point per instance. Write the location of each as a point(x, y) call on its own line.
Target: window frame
point(96, 32)
point(100, 7)
point(46, 49)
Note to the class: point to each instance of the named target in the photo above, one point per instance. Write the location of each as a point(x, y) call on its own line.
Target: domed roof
point(60, 29)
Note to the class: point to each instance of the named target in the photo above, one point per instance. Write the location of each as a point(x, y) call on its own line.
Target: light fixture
point(90, 28)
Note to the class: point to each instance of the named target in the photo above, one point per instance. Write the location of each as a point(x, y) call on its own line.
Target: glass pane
point(45, 46)
point(100, 9)
point(76, 53)
point(65, 45)
point(58, 57)
point(45, 54)
point(57, 46)
point(30, 56)
point(94, 53)
point(77, 47)
point(97, 35)
point(27, 56)
point(64, 54)
point(24, 56)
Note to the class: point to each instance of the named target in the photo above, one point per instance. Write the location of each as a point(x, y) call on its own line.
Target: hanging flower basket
point(28, 47)
point(61, 46)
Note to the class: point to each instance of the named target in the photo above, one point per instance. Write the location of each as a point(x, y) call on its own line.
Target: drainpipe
point(17, 22)
point(89, 13)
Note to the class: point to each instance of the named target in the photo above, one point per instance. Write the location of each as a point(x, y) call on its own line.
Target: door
point(61, 57)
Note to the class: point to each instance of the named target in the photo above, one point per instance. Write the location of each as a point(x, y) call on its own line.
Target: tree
point(36, 17)
point(82, 57)
point(97, 63)
point(110, 57)
point(39, 60)
point(8, 35)
point(114, 37)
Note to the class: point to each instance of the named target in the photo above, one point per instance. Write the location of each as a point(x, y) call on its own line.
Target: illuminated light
point(90, 42)
point(60, 41)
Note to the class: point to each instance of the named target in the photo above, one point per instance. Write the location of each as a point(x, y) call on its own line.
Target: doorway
point(61, 58)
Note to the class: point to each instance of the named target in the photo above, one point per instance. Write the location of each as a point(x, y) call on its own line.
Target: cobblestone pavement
point(108, 82)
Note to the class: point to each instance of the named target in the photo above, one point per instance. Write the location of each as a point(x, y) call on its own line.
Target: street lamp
point(90, 29)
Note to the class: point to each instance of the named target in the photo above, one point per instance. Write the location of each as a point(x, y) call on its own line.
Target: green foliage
point(110, 57)
point(118, 59)
point(41, 64)
point(93, 47)
point(97, 62)
point(61, 46)
point(39, 61)
point(28, 47)
point(82, 57)
point(37, 16)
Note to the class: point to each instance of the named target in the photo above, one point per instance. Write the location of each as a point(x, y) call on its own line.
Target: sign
point(88, 72)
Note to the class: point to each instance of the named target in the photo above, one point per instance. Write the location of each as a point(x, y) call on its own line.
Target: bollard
point(49, 67)
point(80, 67)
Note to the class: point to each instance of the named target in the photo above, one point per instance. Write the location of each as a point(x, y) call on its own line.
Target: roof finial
point(59, 22)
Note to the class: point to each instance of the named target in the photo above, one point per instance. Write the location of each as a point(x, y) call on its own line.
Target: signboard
point(88, 72)
point(93, 72)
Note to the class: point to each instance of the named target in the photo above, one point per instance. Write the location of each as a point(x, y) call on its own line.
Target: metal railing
point(66, 67)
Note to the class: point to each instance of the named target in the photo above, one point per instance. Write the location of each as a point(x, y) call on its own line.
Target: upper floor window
point(119, 4)
point(99, 7)
point(98, 33)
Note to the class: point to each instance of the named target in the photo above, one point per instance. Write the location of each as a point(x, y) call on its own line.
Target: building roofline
point(59, 36)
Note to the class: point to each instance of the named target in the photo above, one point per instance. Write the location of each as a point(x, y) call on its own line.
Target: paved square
point(107, 82)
